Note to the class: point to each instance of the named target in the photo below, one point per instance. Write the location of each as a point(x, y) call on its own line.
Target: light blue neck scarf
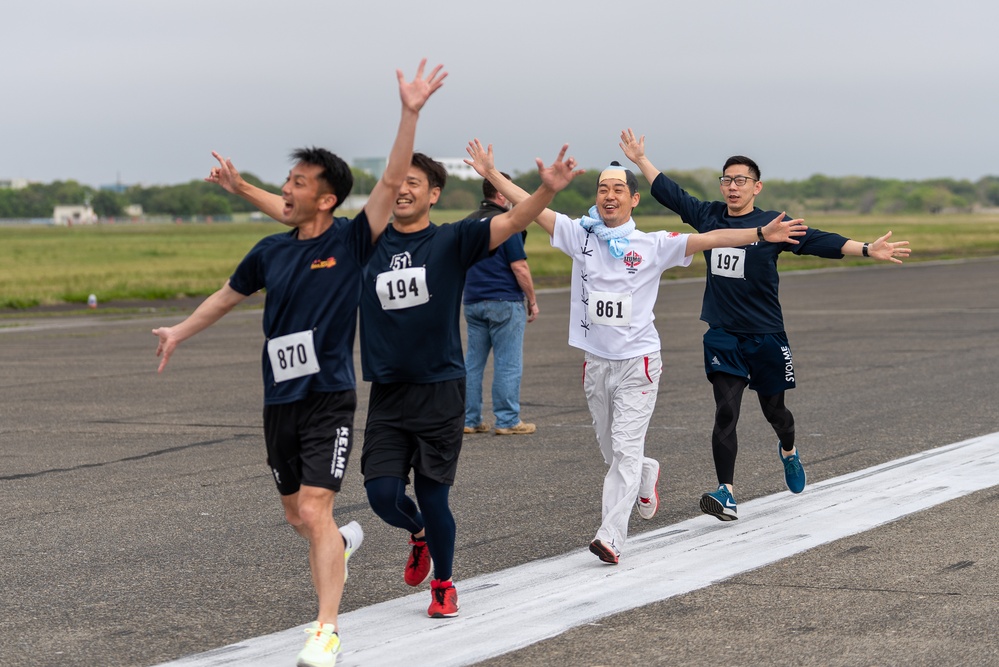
point(614, 236)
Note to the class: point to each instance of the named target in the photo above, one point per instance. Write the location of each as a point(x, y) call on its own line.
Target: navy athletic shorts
point(414, 427)
point(309, 441)
point(763, 359)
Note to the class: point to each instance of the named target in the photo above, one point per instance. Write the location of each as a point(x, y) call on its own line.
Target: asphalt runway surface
point(140, 523)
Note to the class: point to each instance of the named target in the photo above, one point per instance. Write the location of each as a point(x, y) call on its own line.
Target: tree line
point(816, 194)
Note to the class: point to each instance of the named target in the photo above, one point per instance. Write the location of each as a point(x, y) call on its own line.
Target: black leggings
point(387, 497)
point(728, 391)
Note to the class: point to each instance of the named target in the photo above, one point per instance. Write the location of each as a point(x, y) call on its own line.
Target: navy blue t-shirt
point(312, 285)
point(745, 300)
point(411, 302)
point(492, 279)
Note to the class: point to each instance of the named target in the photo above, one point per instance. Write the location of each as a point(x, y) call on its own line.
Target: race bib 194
point(728, 262)
point(402, 288)
point(292, 356)
point(609, 308)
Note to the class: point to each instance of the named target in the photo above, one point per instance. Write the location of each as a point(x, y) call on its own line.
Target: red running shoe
point(443, 599)
point(419, 564)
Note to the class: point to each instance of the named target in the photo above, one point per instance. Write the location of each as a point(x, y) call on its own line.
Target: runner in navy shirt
point(745, 344)
point(312, 275)
point(411, 354)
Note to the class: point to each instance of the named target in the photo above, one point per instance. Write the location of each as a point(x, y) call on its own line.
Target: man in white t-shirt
point(616, 270)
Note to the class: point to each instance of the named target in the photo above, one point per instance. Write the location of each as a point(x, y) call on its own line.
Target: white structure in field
point(74, 215)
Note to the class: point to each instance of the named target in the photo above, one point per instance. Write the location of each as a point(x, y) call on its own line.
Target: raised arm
point(228, 178)
point(634, 150)
point(485, 166)
point(553, 179)
point(778, 230)
point(880, 249)
point(208, 313)
point(414, 94)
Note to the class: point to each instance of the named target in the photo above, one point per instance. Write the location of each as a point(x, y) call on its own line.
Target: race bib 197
point(292, 356)
point(728, 262)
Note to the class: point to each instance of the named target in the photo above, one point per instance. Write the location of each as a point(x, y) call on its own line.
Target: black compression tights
point(387, 497)
point(728, 390)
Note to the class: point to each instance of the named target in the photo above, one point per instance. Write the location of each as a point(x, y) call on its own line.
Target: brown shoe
point(520, 429)
point(481, 428)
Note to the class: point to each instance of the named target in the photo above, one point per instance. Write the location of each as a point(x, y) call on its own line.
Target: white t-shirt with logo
point(612, 299)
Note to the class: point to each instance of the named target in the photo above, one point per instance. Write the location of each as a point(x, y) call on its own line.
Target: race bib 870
point(292, 356)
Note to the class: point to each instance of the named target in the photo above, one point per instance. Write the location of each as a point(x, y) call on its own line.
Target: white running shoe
point(648, 492)
point(321, 647)
point(353, 535)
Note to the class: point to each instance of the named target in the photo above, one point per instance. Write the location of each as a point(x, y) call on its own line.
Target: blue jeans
point(498, 325)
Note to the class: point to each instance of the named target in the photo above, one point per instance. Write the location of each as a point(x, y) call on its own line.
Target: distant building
point(373, 165)
point(13, 183)
point(455, 166)
point(74, 215)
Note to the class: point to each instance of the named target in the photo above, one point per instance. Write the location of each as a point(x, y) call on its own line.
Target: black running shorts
point(414, 427)
point(763, 359)
point(309, 441)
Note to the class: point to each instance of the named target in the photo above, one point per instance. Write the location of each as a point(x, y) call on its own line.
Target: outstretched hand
point(225, 174)
point(167, 344)
point(780, 230)
point(482, 158)
point(415, 93)
point(560, 173)
point(634, 148)
point(885, 251)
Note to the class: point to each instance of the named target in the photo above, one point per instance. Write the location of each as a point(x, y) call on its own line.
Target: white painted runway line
point(513, 608)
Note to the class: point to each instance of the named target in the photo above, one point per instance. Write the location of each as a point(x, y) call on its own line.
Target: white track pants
point(621, 396)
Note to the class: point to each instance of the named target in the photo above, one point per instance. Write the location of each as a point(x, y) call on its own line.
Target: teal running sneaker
point(794, 474)
point(720, 504)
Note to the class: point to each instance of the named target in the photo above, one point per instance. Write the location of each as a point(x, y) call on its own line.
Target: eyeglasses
point(738, 180)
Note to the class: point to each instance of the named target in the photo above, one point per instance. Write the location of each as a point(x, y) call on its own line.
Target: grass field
point(42, 265)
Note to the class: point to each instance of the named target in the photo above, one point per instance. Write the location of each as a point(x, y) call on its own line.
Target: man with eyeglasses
point(745, 345)
point(616, 272)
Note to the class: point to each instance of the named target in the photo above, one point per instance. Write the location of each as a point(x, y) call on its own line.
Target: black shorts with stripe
point(309, 441)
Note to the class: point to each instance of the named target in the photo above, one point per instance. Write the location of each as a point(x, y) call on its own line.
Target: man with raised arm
point(312, 275)
point(746, 344)
point(411, 353)
point(616, 270)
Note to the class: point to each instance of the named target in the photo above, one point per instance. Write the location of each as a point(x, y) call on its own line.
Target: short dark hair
point(335, 172)
point(489, 190)
point(754, 168)
point(435, 171)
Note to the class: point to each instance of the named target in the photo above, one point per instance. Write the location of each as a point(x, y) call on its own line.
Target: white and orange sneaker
point(648, 489)
point(321, 647)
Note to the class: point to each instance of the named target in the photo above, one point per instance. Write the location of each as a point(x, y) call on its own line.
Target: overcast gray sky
point(145, 89)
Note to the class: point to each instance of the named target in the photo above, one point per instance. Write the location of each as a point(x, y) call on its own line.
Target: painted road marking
point(513, 608)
